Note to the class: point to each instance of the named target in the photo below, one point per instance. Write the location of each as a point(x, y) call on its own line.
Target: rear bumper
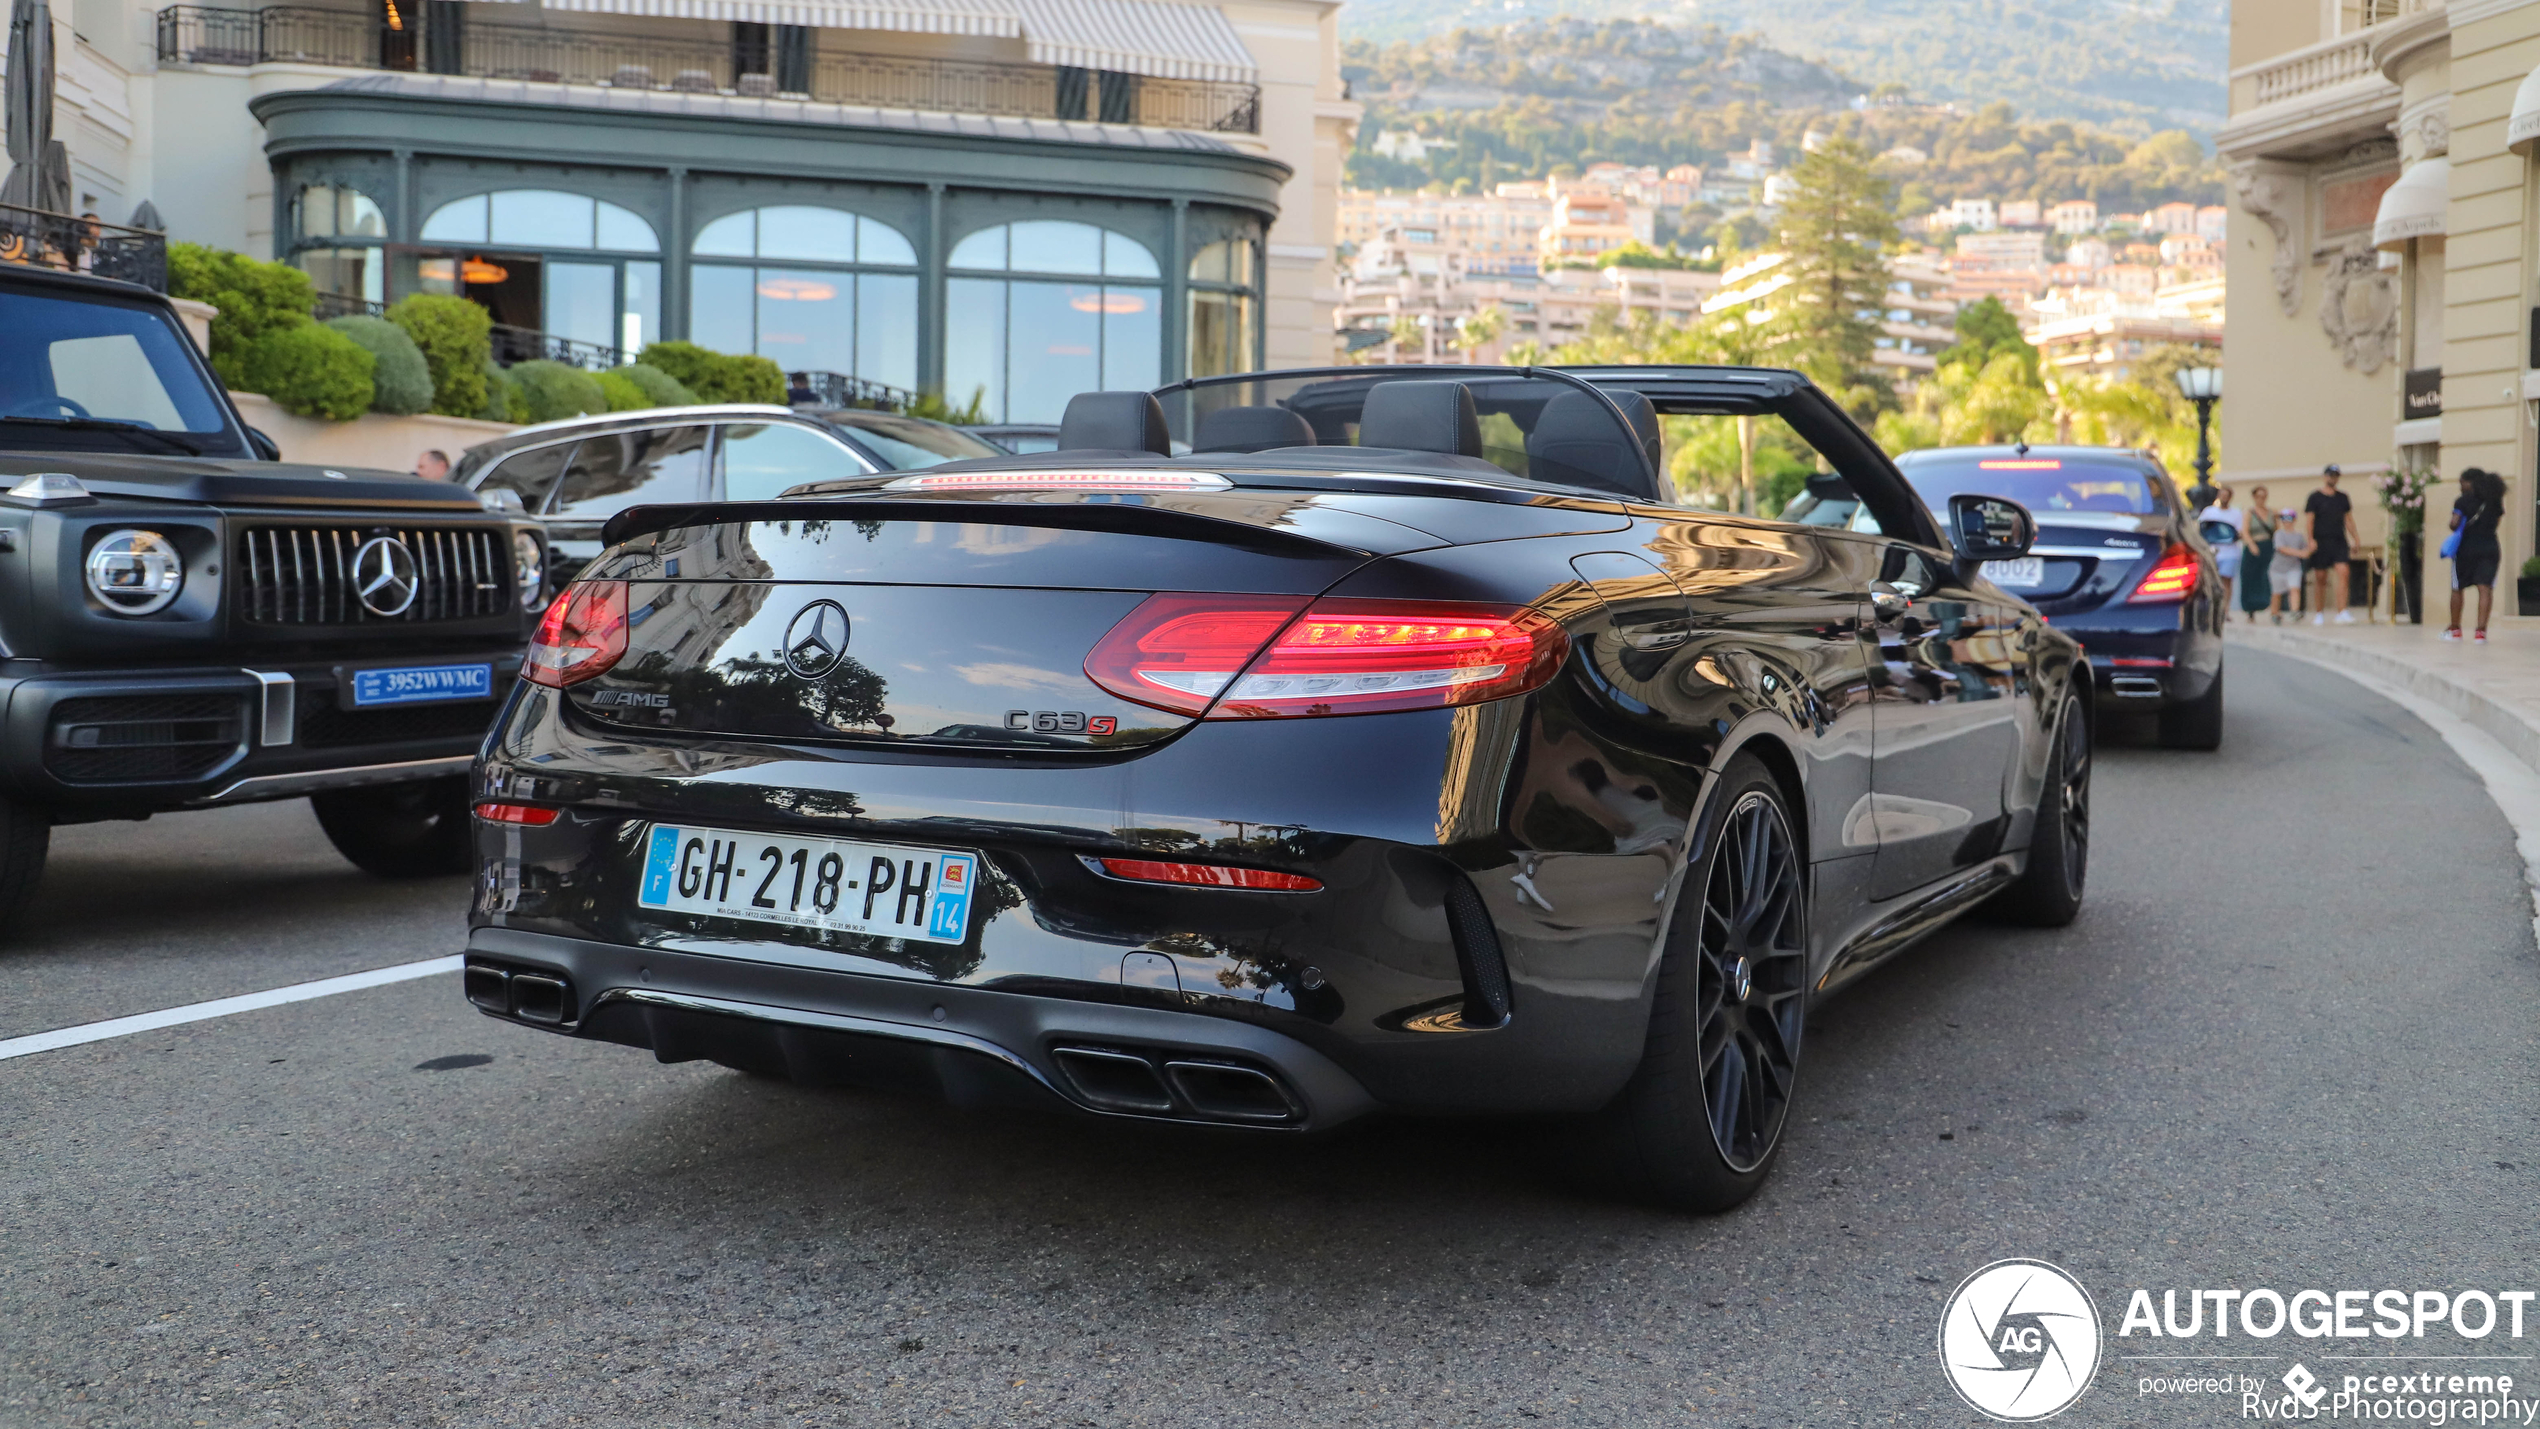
point(973, 1046)
point(2147, 658)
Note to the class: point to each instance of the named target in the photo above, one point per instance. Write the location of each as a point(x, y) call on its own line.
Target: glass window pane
point(360, 217)
point(879, 242)
point(110, 376)
point(819, 235)
point(974, 344)
point(1125, 257)
point(1043, 245)
point(621, 469)
point(460, 222)
point(721, 312)
point(735, 235)
point(639, 319)
point(1212, 318)
point(532, 474)
point(1132, 339)
point(317, 212)
point(760, 461)
point(541, 218)
point(582, 302)
point(1208, 265)
point(983, 249)
point(620, 231)
point(346, 272)
point(1057, 332)
point(1241, 263)
point(886, 329)
point(806, 321)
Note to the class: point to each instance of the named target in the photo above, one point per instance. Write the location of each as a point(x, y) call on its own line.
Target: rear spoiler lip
point(1146, 515)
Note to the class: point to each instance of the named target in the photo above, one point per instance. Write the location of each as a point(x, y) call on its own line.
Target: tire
point(417, 830)
point(2198, 724)
point(26, 833)
point(2049, 892)
point(1697, 1133)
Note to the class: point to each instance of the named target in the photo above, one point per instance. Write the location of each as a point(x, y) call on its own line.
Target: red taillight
point(1361, 656)
point(1178, 652)
point(2173, 579)
point(529, 814)
point(581, 636)
point(1208, 875)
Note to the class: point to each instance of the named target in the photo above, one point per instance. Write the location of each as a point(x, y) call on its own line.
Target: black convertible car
point(1401, 745)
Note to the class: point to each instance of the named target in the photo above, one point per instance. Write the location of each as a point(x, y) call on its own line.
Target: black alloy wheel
point(1700, 1122)
point(2049, 893)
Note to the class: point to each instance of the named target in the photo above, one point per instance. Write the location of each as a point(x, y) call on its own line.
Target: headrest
point(1424, 416)
point(1638, 411)
point(1578, 436)
point(1252, 429)
point(1114, 422)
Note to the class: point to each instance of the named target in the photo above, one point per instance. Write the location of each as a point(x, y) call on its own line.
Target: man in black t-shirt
point(2329, 517)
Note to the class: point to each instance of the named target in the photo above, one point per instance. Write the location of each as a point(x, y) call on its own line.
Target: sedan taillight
point(580, 637)
point(2174, 578)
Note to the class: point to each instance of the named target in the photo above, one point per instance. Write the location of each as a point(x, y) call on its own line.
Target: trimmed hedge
point(455, 337)
point(503, 399)
point(717, 376)
point(310, 370)
point(400, 383)
point(255, 300)
point(556, 390)
point(624, 396)
point(660, 388)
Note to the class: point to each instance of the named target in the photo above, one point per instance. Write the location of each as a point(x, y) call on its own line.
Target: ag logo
point(816, 640)
point(384, 576)
point(2019, 1340)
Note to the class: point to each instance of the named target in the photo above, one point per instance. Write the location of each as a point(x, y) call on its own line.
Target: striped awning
point(1151, 37)
point(1148, 37)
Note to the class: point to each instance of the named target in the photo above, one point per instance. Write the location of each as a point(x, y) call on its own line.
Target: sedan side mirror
point(2219, 533)
point(1988, 528)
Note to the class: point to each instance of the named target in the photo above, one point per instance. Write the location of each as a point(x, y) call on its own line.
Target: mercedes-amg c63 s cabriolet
point(1286, 748)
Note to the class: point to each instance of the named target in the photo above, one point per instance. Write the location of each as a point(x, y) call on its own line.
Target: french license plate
point(420, 684)
point(2026, 573)
point(885, 890)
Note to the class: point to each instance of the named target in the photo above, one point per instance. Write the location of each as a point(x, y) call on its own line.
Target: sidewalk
point(2495, 687)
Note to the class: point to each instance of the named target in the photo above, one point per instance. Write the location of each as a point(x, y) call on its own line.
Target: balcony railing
point(196, 34)
point(83, 245)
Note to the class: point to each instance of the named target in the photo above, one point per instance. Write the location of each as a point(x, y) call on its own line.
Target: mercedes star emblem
point(384, 576)
point(816, 640)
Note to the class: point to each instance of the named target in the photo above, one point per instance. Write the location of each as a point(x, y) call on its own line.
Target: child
point(2293, 547)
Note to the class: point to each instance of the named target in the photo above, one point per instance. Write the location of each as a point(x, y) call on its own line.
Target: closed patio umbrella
point(39, 167)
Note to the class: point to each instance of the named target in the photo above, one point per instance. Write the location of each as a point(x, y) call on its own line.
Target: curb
point(2518, 732)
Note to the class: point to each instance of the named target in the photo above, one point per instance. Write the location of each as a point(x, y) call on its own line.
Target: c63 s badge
point(1061, 722)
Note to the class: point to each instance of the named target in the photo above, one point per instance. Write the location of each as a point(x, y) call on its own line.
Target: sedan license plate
point(419, 684)
point(2026, 573)
point(829, 885)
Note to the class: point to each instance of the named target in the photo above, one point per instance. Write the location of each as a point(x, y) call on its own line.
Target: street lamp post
point(2202, 386)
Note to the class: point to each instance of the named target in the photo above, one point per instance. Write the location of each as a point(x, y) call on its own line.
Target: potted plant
point(2527, 588)
point(2402, 494)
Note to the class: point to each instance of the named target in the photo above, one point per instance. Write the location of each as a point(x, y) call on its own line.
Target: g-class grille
point(315, 575)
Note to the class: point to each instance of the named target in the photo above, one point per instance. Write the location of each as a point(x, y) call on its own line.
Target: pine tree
point(1836, 231)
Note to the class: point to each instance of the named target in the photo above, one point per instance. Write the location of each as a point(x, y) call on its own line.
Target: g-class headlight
point(530, 559)
point(133, 572)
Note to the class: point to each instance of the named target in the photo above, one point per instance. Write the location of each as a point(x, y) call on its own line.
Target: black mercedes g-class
point(187, 622)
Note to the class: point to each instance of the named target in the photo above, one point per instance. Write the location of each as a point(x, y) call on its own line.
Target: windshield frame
point(230, 441)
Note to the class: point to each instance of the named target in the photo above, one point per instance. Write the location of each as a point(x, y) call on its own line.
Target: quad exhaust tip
point(1189, 1089)
point(542, 998)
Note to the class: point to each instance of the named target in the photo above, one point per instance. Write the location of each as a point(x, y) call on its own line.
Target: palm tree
point(1475, 331)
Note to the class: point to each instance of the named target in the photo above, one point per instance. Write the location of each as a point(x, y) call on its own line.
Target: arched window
point(335, 239)
point(815, 289)
point(546, 259)
point(1225, 307)
point(1038, 311)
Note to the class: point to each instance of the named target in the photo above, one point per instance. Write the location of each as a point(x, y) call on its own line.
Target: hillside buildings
point(998, 196)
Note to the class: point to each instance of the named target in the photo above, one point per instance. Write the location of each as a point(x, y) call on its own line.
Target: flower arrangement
point(2402, 494)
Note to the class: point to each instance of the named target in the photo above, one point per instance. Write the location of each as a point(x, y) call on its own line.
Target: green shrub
point(504, 401)
point(556, 390)
point(255, 300)
point(2531, 569)
point(400, 383)
point(659, 387)
point(716, 376)
point(455, 337)
point(624, 396)
point(309, 369)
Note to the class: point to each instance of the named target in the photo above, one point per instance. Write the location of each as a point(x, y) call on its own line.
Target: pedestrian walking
point(2328, 517)
point(2226, 553)
point(2473, 547)
point(2257, 547)
point(2292, 556)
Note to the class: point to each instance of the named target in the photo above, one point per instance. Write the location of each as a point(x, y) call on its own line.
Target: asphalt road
point(2290, 1042)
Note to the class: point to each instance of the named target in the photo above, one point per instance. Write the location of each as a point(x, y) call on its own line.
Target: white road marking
point(223, 1007)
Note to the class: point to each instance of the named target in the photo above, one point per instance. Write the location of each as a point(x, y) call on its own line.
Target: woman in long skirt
point(2257, 539)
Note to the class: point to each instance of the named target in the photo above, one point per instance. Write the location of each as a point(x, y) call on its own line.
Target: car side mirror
point(502, 499)
point(266, 448)
point(1988, 528)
